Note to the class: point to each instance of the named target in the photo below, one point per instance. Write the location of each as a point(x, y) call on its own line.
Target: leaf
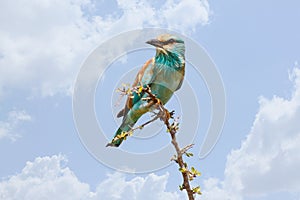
point(123, 135)
point(181, 187)
point(182, 170)
point(185, 165)
point(195, 172)
point(128, 92)
point(125, 84)
point(174, 158)
point(140, 89)
point(189, 154)
point(191, 178)
point(197, 190)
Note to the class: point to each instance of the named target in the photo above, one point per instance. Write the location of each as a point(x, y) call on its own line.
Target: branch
point(179, 160)
point(164, 115)
point(146, 123)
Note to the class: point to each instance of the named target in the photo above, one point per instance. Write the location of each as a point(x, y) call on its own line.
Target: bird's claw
point(172, 114)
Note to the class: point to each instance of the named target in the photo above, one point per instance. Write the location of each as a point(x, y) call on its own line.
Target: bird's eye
point(171, 40)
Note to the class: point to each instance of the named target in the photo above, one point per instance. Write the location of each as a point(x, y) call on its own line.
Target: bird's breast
point(166, 82)
point(169, 77)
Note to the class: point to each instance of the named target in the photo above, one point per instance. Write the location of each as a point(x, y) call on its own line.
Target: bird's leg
point(167, 115)
point(164, 114)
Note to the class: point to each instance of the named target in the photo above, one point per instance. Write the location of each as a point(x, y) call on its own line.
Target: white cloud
point(186, 15)
point(49, 178)
point(150, 187)
point(268, 161)
point(213, 189)
point(45, 178)
point(43, 43)
point(9, 127)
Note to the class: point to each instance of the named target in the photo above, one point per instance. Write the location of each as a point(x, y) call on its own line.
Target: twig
point(179, 159)
point(146, 123)
point(185, 149)
point(164, 115)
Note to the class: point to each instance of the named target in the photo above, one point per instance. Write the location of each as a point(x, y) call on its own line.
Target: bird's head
point(169, 45)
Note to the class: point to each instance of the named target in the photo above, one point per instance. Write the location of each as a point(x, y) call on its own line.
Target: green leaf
point(195, 172)
point(189, 154)
point(185, 165)
point(181, 187)
point(197, 190)
point(182, 170)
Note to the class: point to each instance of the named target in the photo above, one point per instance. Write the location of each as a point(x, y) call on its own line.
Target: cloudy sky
point(255, 46)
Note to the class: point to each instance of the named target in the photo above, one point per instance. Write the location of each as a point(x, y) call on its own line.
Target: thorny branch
point(164, 115)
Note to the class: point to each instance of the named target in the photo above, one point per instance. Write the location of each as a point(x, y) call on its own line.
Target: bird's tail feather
point(128, 122)
point(122, 129)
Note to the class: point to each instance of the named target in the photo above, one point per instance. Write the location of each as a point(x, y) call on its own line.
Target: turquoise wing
point(144, 77)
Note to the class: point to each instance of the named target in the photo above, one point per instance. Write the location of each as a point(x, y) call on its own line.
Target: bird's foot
point(172, 114)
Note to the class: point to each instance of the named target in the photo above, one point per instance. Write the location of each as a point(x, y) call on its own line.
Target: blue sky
point(254, 44)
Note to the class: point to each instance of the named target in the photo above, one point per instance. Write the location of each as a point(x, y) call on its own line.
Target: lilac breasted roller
point(164, 75)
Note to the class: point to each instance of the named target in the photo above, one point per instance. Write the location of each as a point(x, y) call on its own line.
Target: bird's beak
point(155, 43)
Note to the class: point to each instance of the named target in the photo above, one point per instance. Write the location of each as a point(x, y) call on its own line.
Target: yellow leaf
point(140, 89)
point(197, 190)
point(182, 170)
point(195, 172)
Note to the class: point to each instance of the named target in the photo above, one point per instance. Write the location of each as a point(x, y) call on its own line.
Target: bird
point(163, 74)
